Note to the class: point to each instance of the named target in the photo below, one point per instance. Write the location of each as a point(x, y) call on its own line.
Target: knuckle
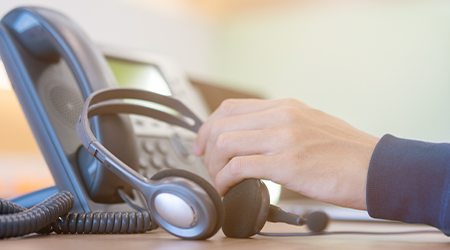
point(288, 135)
point(289, 101)
point(287, 114)
point(222, 142)
point(227, 106)
point(235, 165)
point(316, 112)
point(292, 102)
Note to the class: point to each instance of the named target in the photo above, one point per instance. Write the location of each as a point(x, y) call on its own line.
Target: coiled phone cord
point(52, 215)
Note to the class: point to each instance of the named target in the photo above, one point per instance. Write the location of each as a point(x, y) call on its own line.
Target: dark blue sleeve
point(409, 181)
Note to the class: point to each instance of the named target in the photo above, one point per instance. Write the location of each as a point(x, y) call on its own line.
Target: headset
point(181, 202)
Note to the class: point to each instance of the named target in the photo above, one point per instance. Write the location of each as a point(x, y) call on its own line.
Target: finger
point(245, 167)
point(240, 143)
point(253, 121)
point(230, 107)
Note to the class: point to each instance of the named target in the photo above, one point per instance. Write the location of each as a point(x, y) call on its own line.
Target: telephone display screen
point(144, 76)
point(139, 75)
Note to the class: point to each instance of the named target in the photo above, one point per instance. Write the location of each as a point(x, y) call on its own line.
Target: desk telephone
point(54, 68)
point(52, 96)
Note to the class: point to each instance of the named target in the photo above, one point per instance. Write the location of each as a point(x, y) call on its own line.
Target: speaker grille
point(67, 104)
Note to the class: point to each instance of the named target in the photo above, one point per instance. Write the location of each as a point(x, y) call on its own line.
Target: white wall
point(131, 25)
point(384, 66)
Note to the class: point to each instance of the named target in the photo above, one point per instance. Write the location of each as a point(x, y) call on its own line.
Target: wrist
point(361, 170)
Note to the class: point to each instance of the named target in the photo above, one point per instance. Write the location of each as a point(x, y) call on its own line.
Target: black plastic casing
point(53, 67)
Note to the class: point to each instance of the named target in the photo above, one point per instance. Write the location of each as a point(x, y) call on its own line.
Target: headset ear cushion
point(215, 197)
point(242, 207)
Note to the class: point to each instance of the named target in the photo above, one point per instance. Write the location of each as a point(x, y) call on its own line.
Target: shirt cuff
point(409, 181)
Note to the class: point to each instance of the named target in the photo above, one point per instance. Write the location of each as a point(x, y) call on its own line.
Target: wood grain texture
point(161, 240)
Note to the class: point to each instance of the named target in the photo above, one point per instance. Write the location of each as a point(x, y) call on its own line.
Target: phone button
point(162, 147)
point(149, 146)
point(143, 162)
point(157, 162)
point(170, 162)
point(180, 148)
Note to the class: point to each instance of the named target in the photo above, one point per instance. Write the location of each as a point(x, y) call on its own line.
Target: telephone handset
point(53, 67)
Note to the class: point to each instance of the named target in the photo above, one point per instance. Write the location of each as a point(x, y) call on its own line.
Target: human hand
point(290, 143)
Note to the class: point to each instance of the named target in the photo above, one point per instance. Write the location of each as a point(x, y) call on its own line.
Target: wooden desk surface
point(159, 239)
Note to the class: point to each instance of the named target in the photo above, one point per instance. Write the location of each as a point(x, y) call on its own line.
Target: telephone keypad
point(159, 153)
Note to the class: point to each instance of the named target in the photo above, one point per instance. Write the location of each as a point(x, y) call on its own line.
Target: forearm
point(409, 181)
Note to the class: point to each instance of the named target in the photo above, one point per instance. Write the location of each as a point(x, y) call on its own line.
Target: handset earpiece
point(247, 208)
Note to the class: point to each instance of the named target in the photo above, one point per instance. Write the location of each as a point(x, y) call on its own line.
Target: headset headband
point(105, 101)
